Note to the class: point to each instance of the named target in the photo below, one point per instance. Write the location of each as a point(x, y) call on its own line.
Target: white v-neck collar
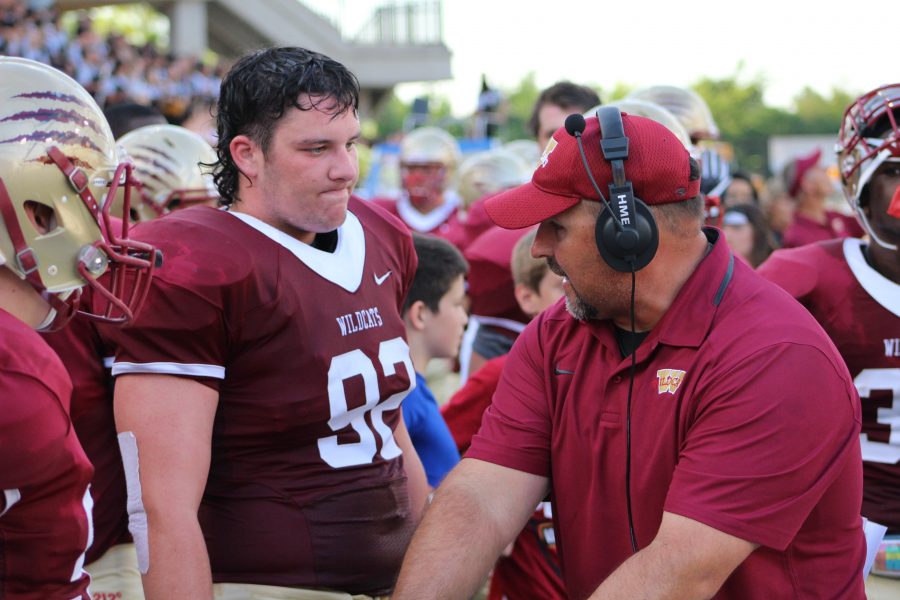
point(425, 222)
point(343, 267)
point(884, 291)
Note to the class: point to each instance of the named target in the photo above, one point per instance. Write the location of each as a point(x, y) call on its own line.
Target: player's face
point(424, 183)
point(883, 186)
point(593, 290)
point(444, 328)
point(550, 118)
point(310, 169)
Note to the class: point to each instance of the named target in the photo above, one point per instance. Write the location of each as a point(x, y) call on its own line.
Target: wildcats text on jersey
point(892, 347)
point(359, 320)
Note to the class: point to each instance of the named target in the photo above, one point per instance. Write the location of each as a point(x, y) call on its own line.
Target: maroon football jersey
point(462, 233)
point(87, 358)
point(308, 353)
point(45, 505)
point(803, 230)
point(743, 417)
point(860, 310)
point(441, 222)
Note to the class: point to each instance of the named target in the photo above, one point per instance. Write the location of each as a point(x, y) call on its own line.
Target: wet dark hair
point(566, 95)
point(258, 90)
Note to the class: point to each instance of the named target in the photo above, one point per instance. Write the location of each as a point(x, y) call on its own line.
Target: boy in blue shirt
point(435, 318)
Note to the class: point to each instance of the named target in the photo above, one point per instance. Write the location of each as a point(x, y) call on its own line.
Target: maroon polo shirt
point(743, 418)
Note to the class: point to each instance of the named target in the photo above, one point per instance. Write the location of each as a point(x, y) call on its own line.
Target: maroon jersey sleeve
point(45, 508)
point(515, 430)
point(740, 470)
point(790, 269)
point(181, 329)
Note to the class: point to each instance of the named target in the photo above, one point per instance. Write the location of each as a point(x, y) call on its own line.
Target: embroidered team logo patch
point(546, 155)
point(669, 380)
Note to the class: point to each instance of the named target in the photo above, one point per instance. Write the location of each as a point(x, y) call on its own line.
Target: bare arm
point(687, 560)
point(476, 512)
point(416, 481)
point(172, 420)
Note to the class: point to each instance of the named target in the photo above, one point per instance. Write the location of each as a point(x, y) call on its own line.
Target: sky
point(789, 43)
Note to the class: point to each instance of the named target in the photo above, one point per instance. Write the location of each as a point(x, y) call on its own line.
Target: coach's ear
point(247, 156)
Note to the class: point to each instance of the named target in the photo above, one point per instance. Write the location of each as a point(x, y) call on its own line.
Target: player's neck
point(20, 300)
point(886, 262)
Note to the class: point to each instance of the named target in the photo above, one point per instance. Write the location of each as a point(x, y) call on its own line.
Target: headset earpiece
point(631, 248)
point(627, 236)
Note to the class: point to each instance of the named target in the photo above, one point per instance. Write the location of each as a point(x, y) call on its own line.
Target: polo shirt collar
point(689, 319)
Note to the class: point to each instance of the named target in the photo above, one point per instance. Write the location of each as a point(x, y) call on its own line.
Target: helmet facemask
point(869, 137)
point(57, 158)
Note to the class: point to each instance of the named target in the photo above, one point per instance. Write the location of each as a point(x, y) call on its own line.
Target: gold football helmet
point(169, 165)
point(490, 172)
point(687, 106)
point(650, 110)
point(58, 164)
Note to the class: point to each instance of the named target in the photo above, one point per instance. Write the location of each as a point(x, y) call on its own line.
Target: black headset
point(626, 237)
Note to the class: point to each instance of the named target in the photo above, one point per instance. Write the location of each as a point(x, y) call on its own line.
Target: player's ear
point(247, 155)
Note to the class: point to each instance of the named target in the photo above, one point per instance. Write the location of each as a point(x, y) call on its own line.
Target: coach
point(697, 431)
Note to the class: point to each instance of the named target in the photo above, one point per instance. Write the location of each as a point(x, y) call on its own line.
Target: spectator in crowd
point(110, 68)
point(748, 234)
point(777, 207)
point(694, 425)
point(435, 316)
point(741, 190)
point(554, 104)
point(810, 187)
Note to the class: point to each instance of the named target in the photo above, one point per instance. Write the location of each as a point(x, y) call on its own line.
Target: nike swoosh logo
point(380, 280)
point(559, 371)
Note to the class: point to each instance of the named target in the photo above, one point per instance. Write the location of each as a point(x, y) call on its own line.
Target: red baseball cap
point(658, 166)
point(801, 166)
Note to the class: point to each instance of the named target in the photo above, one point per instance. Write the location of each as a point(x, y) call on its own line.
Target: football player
point(258, 396)
point(429, 157)
point(852, 287)
point(481, 175)
point(165, 160)
point(169, 164)
point(58, 164)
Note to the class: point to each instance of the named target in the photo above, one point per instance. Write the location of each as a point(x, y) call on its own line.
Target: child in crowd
point(435, 318)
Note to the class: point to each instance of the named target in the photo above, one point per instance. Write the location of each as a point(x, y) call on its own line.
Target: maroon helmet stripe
point(48, 115)
point(52, 96)
point(60, 137)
